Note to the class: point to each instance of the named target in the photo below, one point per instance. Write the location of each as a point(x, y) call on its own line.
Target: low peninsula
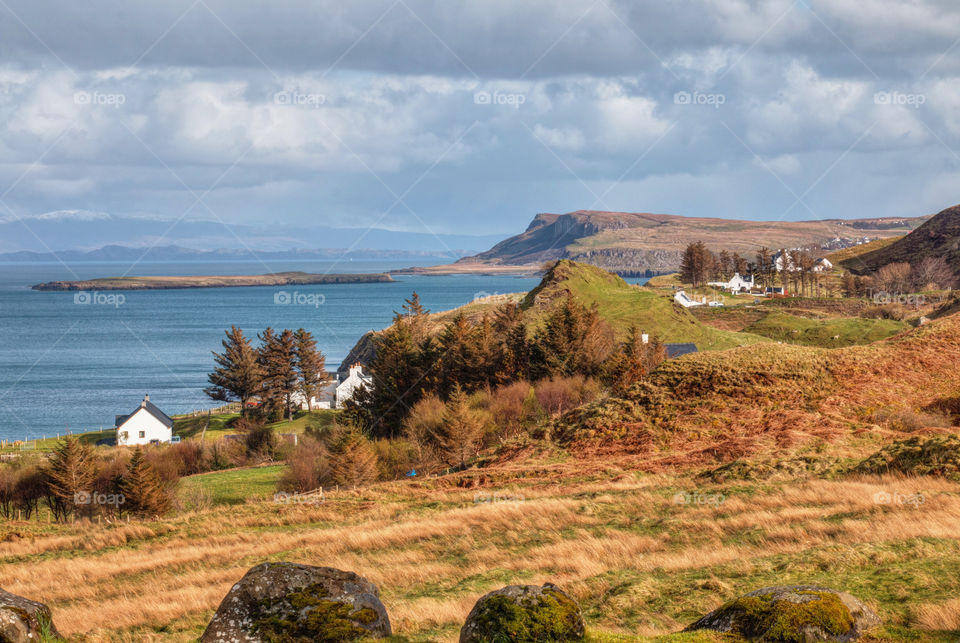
point(212, 281)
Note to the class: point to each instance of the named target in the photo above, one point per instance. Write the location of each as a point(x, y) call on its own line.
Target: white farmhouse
point(823, 265)
point(349, 385)
point(736, 284)
point(145, 425)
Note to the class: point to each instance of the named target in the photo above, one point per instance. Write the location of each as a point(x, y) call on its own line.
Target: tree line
point(413, 358)
point(284, 367)
point(74, 483)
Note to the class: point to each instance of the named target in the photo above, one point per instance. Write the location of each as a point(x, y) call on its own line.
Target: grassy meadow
point(645, 554)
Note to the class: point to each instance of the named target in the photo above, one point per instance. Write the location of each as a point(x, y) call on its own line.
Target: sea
point(70, 362)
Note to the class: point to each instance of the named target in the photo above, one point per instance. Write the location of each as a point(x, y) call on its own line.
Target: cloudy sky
point(470, 117)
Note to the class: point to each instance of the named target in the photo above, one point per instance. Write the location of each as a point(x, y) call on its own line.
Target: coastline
point(210, 281)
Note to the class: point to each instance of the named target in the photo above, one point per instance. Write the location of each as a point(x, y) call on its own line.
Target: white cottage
point(145, 425)
point(348, 386)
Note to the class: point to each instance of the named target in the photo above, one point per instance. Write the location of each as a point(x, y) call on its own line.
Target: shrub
point(353, 459)
point(308, 467)
point(424, 421)
point(395, 458)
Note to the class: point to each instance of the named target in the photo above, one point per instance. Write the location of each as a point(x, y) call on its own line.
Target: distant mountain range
point(639, 242)
point(92, 236)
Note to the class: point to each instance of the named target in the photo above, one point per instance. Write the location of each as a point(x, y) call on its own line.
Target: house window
point(143, 434)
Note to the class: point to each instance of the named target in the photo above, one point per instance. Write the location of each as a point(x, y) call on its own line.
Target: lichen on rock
point(524, 613)
point(292, 603)
point(792, 614)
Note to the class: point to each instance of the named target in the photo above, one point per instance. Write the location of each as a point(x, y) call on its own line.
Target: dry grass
point(618, 541)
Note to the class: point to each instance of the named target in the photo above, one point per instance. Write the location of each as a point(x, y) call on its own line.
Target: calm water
point(67, 365)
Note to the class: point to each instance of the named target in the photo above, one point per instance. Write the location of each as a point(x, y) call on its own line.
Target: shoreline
point(209, 281)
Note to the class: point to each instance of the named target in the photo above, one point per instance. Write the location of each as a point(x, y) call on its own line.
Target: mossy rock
point(792, 614)
point(524, 613)
point(25, 621)
point(292, 603)
point(936, 456)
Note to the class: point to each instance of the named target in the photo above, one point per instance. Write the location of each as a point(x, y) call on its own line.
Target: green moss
point(938, 455)
point(782, 620)
point(322, 619)
point(550, 617)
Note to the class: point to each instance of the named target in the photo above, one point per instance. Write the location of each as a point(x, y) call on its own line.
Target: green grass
point(234, 486)
point(623, 305)
point(828, 333)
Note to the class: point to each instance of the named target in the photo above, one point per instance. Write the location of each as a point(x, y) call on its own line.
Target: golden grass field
point(641, 562)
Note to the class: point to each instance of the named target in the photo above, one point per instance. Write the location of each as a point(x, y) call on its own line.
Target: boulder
point(794, 613)
point(521, 613)
point(24, 621)
point(298, 603)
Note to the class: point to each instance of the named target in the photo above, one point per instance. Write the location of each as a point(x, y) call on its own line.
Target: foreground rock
point(522, 613)
point(292, 602)
point(794, 613)
point(24, 621)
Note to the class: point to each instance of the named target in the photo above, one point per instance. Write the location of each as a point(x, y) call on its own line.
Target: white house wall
point(142, 421)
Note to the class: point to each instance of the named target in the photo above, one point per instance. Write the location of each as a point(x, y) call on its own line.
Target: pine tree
point(311, 366)
point(398, 381)
point(277, 358)
point(461, 431)
point(634, 361)
point(460, 359)
point(70, 476)
point(238, 374)
point(143, 491)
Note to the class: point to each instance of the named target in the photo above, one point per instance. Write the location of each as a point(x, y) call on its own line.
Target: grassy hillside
point(834, 333)
point(765, 397)
point(623, 305)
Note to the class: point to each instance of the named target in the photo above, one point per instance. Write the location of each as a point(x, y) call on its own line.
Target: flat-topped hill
point(636, 242)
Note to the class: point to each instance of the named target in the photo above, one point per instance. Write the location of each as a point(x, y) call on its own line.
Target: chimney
point(146, 398)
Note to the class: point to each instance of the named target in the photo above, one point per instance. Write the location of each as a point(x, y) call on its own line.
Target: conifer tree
point(397, 380)
point(311, 366)
point(460, 360)
point(238, 374)
point(277, 357)
point(70, 476)
point(143, 491)
point(461, 431)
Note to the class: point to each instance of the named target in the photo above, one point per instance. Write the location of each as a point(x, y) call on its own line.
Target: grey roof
point(152, 410)
point(678, 350)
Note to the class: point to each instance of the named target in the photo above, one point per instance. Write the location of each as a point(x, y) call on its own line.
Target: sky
point(469, 117)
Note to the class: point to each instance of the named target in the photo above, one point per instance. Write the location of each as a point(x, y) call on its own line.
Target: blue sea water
point(69, 365)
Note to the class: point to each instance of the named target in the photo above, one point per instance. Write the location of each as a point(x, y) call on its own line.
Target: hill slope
point(938, 237)
point(619, 303)
point(637, 242)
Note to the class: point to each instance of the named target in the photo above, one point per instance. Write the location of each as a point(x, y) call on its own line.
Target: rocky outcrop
point(293, 602)
point(524, 613)
point(794, 613)
point(25, 621)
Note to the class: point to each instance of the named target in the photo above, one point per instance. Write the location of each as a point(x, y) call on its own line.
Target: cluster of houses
point(147, 424)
